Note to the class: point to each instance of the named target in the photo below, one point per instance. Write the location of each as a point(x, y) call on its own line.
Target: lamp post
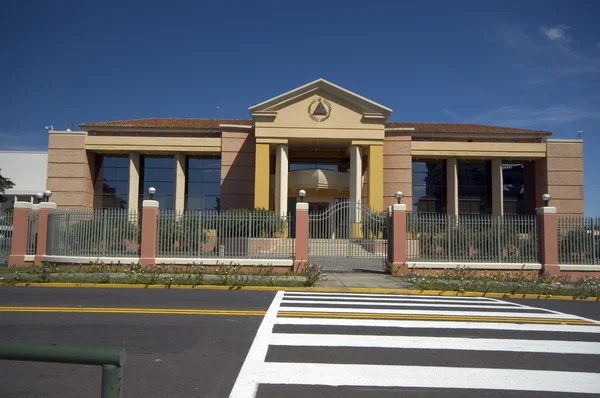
point(151, 192)
point(546, 198)
point(39, 196)
point(399, 196)
point(47, 194)
point(302, 194)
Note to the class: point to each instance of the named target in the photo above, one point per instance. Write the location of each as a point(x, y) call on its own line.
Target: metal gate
point(6, 227)
point(348, 236)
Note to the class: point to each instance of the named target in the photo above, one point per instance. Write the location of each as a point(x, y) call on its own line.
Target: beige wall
point(70, 170)
point(237, 169)
point(397, 168)
point(346, 121)
point(478, 150)
point(565, 175)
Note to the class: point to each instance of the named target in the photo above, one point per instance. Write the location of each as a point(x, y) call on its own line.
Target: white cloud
point(557, 34)
point(451, 114)
point(512, 116)
point(546, 57)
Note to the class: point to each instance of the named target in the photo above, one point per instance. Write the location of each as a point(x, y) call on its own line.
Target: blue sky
point(531, 64)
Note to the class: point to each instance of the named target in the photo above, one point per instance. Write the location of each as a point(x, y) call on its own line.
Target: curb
point(307, 289)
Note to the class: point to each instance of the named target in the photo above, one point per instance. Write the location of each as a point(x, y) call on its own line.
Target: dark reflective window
point(313, 166)
point(429, 186)
point(513, 181)
point(113, 171)
point(203, 183)
point(474, 187)
point(158, 172)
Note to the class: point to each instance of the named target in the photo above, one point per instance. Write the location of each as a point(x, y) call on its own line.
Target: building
point(28, 171)
point(324, 139)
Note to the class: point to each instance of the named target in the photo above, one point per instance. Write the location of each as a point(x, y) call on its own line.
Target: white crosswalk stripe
point(335, 339)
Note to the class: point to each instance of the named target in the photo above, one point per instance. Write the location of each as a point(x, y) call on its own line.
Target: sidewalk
point(363, 279)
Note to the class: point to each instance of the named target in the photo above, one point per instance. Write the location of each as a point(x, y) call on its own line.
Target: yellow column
point(261, 177)
point(179, 182)
point(134, 180)
point(375, 177)
point(497, 188)
point(452, 186)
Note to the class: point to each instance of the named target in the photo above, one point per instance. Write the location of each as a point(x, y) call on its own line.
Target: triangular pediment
point(321, 87)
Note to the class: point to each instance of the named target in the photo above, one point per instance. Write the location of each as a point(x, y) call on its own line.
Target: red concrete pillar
point(149, 232)
point(18, 246)
point(548, 238)
point(398, 239)
point(42, 231)
point(301, 252)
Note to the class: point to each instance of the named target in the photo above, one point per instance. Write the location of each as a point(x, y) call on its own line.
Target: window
point(474, 187)
point(113, 190)
point(513, 180)
point(313, 166)
point(158, 172)
point(203, 183)
point(429, 186)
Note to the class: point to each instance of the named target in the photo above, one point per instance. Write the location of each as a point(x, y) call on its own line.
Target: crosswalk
point(394, 345)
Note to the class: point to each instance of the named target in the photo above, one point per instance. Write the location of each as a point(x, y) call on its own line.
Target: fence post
point(301, 251)
point(390, 246)
point(150, 210)
point(20, 232)
point(398, 241)
point(548, 239)
point(42, 231)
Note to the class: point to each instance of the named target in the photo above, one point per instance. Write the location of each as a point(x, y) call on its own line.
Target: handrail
point(110, 358)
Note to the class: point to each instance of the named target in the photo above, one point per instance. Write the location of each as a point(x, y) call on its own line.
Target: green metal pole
point(111, 381)
point(61, 353)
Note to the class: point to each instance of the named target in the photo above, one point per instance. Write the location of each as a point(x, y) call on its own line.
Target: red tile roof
point(460, 128)
point(213, 124)
point(169, 123)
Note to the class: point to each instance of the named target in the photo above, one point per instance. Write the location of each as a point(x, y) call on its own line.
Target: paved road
point(168, 355)
point(219, 343)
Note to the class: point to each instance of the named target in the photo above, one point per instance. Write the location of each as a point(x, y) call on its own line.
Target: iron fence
point(257, 234)
point(32, 233)
point(578, 240)
point(472, 238)
point(6, 227)
point(94, 233)
point(348, 236)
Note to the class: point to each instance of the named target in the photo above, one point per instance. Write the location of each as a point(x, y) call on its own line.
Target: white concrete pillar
point(356, 180)
point(497, 188)
point(179, 182)
point(452, 186)
point(134, 181)
point(281, 180)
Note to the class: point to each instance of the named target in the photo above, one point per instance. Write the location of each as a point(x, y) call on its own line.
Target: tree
point(5, 184)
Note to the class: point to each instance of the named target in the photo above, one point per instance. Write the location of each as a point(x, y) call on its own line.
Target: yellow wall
point(375, 177)
point(261, 177)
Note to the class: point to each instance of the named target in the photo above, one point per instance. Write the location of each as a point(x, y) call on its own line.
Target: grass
point(194, 275)
point(464, 279)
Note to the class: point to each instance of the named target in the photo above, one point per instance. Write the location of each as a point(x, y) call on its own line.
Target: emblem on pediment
point(319, 110)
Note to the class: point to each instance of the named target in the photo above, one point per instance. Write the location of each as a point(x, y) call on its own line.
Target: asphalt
point(190, 355)
point(167, 355)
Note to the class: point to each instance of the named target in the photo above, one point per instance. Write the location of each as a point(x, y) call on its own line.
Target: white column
point(281, 180)
point(134, 181)
point(497, 188)
point(179, 182)
point(452, 186)
point(356, 179)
